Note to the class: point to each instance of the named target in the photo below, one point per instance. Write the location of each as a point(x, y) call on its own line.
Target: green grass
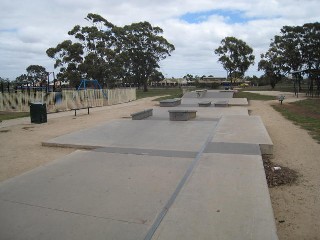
point(308, 118)
point(282, 88)
point(311, 105)
point(12, 115)
point(163, 93)
point(253, 96)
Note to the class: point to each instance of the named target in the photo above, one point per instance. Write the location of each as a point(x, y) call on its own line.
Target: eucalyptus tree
point(235, 56)
point(92, 55)
point(296, 48)
point(36, 74)
point(2, 84)
point(106, 52)
point(311, 53)
point(283, 56)
point(21, 80)
point(101, 49)
point(68, 57)
point(311, 45)
point(156, 76)
point(144, 48)
point(271, 63)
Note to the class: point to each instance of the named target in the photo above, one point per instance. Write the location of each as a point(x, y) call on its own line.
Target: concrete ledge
point(142, 114)
point(226, 91)
point(204, 104)
point(170, 102)
point(200, 93)
point(238, 102)
point(221, 104)
point(182, 115)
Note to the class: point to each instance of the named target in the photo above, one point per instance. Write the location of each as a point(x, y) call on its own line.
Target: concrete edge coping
point(201, 90)
point(172, 100)
point(182, 115)
point(142, 114)
point(221, 104)
point(204, 104)
point(181, 111)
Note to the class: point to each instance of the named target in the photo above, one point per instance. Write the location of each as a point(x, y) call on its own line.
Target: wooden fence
point(66, 100)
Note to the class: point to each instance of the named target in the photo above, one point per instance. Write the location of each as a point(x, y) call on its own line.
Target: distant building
point(213, 80)
point(172, 82)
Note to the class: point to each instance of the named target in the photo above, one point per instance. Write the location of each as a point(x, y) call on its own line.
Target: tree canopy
point(36, 74)
point(235, 56)
point(296, 48)
point(106, 52)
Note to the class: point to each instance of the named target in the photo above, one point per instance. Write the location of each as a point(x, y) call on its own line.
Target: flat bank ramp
point(244, 129)
point(225, 198)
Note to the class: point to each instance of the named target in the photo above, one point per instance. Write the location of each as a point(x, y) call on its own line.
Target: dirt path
point(296, 208)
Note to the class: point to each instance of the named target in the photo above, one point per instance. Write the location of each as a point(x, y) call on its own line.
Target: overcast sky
point(195, 27)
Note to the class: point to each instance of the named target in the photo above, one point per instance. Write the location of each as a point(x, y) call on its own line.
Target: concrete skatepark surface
point(203, 113)
point(220, 204)
point(141, 134)
point(191, 102)
point(148, 179)
point(121, 191)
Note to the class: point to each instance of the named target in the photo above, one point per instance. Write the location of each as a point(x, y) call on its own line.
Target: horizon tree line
point(106, 52)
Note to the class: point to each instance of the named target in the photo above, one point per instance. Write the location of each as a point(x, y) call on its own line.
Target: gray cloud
point(28, 28)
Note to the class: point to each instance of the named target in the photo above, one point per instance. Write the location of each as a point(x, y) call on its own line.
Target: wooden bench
point(182, 115)
point(204, 104)
point(142, 114)
point(76, 109)
point(170, 102)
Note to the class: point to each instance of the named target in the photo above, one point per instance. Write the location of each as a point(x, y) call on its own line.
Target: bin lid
point(37, 103)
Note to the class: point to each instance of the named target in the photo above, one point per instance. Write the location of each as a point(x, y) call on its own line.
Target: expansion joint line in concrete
point(173, 197)
point(70, 212)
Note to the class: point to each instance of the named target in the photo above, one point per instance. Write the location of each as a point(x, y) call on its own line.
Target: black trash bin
point(38, 112)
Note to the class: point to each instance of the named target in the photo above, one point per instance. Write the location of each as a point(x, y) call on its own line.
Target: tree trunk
point(145, 86)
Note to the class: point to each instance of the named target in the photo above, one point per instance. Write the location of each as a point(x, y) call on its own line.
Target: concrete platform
point(225, 198)
point(238, 102)
point(89, 195)
point(208, 94)
point(144, 134)
point(244, 129)
point(231, 101)
point(182, 115)
point(203, 114)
